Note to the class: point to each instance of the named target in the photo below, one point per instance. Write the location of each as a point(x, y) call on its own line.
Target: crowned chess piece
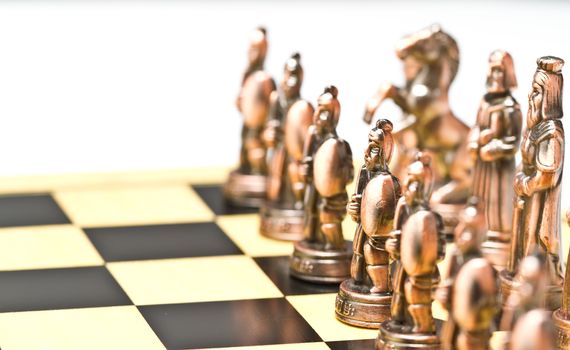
point(536, 217)
point(364, 299)
point(493, 143)
point(469, 290)
point(246, 186)
point(431, 61)
point(416, 244)
point(323, 256)
point(561, 316)
point(284, 135)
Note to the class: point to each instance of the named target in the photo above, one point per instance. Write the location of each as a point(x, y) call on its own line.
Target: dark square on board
point(214, 198)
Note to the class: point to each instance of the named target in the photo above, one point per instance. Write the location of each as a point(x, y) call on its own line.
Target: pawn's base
point(245, 190)
point(395, 337)
point(450, 215)
point(509, 284)
point(311, 262)
point(562, 326)
point(281, 224)
point(356, 306)
point(497, 253)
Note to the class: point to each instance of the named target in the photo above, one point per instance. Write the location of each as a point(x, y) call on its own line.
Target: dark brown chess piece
point(246, 186)
point(284, 135)
point(561, 316)
point(364, 299)
point(323, 256)
point(416, 244)
point(536, 218)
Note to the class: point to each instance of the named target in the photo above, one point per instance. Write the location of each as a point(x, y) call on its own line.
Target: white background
point(98, 86)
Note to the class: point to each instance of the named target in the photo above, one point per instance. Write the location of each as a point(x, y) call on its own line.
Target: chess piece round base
point(508, 285)
point(450, 215)
point(356, 306)
point(245, 190)
point(281, 224)
point(311, 262)
point(562, 326)
point(393, 336)
point(497, 253)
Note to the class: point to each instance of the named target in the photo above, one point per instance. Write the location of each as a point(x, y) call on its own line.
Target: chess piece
point(493, 143)
point(323, 256)
point(284, 135)
point(431, 61)
point(469, 290)
point(416, 244)
point(536, 218)
point(246, 186)
point(561, 317)
point(364, 299)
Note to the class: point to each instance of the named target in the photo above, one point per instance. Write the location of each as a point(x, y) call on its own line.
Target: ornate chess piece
point(536, 218)
point(431, 60)
point(493, 143)
point(285, 133)
point(246, 186)
point(561, 316)
point(416, 244)
point(323, 256)
point(364, 299)
point(469, 290)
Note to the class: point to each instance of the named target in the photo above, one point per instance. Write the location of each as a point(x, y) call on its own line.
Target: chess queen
point(364, 299)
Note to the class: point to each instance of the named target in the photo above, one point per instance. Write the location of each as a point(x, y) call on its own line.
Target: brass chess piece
point(284, 135)
point(493, 143)
point(431, 60)
point(246, 186)
point(416, 244)
point(536, 218)
point(561, 316)
point(323, 256)
point(364, 299)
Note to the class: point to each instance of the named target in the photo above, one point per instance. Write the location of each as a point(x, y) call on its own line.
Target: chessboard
point(152, 260)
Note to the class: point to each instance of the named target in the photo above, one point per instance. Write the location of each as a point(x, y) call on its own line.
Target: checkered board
point(152, 261)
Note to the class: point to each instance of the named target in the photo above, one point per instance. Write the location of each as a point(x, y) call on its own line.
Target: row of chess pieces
point(448, 180)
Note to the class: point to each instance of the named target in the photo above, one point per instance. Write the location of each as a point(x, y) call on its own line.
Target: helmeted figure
point(493, 143)
point(364, 299)
point(323, 256)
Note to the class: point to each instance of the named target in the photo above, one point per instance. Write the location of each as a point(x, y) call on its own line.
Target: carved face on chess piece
point(292, 77)
point(501, 74)
point(257, 47)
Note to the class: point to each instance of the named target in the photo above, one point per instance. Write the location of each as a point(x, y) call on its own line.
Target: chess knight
point(284, 135)
point(416, 244)
point(431, 60)
point(323, 256)
point(561, 316)
point(536, 218)
point(364, 299)
point(493, 143)
point(246, 186)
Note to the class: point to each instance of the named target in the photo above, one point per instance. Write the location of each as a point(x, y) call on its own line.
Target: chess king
point(493, 143)
point(323, 256)
point(561, 316)
point(536, 218)
point(284, 135)
point(416, 244)
point(364, 299)
point(246, 186)
point(431, 60)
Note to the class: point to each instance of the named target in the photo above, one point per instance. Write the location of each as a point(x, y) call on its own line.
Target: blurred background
point(101, 86)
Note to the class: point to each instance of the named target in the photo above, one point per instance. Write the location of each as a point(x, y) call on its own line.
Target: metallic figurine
point(246, 186)
point(431, 61)
point(469, 291)
point(536, 218)
point(364, 299)
point(416, 244)
point(493, 143)
point(561, 316)
point(323, 256)
point(284, 135)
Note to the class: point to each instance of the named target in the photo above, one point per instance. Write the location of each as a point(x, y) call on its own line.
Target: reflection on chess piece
point(431, 61)
point(536, 218)
point(493, 143)
point(323, 256)
point(469, 290)
point(561, 316)
point(246, 186)
point(416, 244)
point(284, 135)
point(364, 299)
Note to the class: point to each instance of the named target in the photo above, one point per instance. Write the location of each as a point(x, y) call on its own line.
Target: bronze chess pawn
point(431, 60)
point(246, 186)
point(416, 244)
point(364, 299)
point(536, 217)
point(284, 135)
point(561, 316)
point(323, 256)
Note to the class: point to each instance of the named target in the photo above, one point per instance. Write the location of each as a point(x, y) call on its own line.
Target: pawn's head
point(418, 182)
point(472, 228)
point(328, 110)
